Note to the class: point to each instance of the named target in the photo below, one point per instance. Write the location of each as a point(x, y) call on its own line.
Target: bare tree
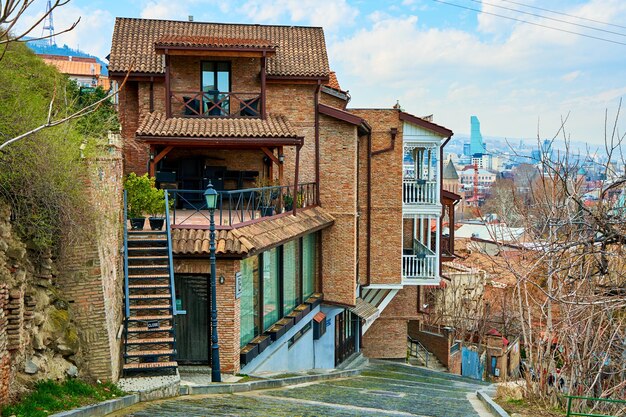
point(13, 11)
point(570, 294)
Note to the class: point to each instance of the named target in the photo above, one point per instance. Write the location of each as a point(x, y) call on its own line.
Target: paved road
point(383, 389)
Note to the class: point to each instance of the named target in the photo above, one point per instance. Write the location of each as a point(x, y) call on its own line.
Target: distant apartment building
point(484, 178)
point(86, 72)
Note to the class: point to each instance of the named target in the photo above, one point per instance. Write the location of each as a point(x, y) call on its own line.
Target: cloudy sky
point(450, 58)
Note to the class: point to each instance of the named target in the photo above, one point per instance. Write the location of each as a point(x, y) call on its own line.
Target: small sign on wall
point(238, 285)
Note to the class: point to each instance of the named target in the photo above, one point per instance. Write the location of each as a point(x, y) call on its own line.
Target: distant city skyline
point(518, 79)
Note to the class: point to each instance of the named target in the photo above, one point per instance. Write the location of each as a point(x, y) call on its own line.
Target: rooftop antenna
point(48, 25)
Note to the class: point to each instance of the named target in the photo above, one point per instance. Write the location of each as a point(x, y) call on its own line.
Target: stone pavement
point(383, 389)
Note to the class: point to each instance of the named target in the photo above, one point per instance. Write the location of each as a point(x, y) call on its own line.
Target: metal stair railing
point(126, 288)
point(168, 230)
point(413, 347)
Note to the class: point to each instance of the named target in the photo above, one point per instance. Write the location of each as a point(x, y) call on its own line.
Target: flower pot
point(136, 223)
point(267, 211)
point(156, 223)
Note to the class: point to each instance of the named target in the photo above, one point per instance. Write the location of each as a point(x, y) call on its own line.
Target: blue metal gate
point(471, 365)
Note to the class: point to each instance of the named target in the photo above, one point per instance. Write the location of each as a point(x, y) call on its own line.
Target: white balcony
point(419, 192)
point(420, 263)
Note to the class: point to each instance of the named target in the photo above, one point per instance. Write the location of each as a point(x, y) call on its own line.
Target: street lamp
point(210, 195)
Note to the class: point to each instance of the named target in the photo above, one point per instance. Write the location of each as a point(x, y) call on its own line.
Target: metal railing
point(606, 400)
point(414, 350)
point(419, 191)
point(126, 295)
point(422, 263)
point(240, 206)
point(168, 231)
point(216, 104)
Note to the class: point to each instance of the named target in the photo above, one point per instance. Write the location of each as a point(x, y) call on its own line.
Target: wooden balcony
point(215, 104)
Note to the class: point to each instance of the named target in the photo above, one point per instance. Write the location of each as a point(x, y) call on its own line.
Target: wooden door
point(192, 329)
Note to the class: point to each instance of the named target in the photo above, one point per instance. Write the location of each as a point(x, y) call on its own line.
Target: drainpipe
point(393, 132)
point(317, 142)
point(443, 209)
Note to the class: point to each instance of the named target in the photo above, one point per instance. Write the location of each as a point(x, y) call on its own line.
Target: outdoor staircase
point(418, 355)
point(149, 336)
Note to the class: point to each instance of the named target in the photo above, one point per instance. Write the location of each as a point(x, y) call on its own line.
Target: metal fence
point(240, 206)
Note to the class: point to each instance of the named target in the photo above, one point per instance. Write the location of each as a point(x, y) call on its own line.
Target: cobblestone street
point(383, 389)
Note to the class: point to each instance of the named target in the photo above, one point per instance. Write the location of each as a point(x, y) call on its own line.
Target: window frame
point(230, 73)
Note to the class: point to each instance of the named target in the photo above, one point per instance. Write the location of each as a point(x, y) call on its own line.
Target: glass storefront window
point(308, 265)
point(271, 288)
point(250, 320)
point(292, 289)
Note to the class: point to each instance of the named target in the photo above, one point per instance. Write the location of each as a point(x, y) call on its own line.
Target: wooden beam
point(270, 154)
point(168, 94)
point(263, 87)
point(281, 167)
point(197, 52)
point(162, 154)
point(295, 196)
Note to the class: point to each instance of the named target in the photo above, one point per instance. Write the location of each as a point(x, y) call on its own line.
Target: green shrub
point(49, 397)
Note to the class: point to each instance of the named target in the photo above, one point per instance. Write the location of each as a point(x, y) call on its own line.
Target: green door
point(192, 331)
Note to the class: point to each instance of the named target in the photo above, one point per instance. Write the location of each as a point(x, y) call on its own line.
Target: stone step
point(149, 296)
point(149, 276)
point(149, 340)
point(149, 365)
point(149, 286)
point(166, 306)
point(142, 353)
point(155, 317)
point(144, 329)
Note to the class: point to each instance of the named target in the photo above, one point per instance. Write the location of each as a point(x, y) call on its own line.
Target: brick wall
point(90, 273)
point(386, 339)
point(297, 103)
point(386, 188)
point(454, 363)
point(135, 153)
point(438, 345)
point(338, 188)
point(5, 358)
point(228, 308)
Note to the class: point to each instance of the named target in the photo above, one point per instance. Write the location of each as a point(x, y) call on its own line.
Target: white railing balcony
point(417, 267)
point(416, 192)
point(420, 263)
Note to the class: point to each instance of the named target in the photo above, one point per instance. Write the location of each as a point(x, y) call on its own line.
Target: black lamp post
point(210, 195)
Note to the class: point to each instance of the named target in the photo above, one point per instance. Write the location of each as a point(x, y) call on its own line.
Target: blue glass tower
point(477, 147)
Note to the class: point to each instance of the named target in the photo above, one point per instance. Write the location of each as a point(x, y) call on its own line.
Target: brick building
point(328, 218)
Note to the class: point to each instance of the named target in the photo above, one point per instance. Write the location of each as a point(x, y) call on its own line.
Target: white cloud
point(92, 34)
point(571, 76)
point(164, 9)
point(330, 15)
point(512, 75)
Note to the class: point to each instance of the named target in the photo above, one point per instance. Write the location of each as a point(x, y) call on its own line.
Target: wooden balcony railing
point(419, 192)
point(215, 104)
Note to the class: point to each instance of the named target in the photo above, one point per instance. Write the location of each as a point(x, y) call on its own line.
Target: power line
point(550, 18)
point(531, 23)
point(565, 14)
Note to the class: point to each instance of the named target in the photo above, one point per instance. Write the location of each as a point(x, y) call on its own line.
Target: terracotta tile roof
point(301, 51)
point(74, 67)
point(214, 42)
point(253, 238)
point(333, 82)
point(195, 241)
point(157, 124)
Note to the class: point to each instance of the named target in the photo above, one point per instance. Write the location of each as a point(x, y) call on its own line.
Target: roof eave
point(435, 128)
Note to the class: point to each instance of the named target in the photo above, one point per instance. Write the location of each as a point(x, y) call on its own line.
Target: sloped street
point(383, 389)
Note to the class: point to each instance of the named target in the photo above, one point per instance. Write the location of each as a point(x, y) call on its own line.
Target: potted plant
point(157, 209)
point(138, 195)
point(266, 195)
point(288, 202)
